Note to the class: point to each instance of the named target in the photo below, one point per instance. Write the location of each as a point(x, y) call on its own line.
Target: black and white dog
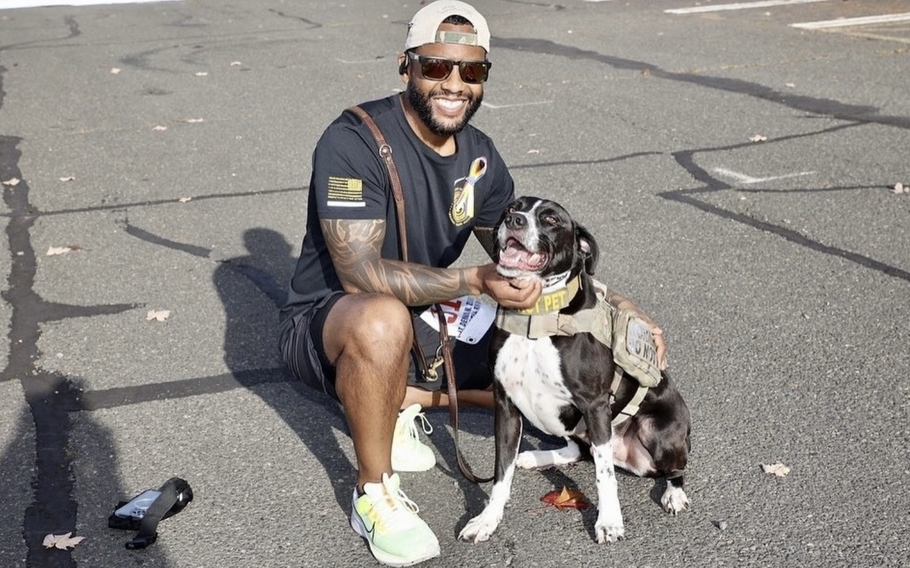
point(566, 385)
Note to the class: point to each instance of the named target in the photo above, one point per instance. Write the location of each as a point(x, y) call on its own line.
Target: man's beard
point(424, 106)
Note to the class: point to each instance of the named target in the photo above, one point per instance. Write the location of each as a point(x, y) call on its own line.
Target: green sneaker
point(408, 452)
point(388, 520)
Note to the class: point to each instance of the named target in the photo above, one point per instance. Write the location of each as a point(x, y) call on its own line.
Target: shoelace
point(411, 427)
point(425, 425)
point(395, 510)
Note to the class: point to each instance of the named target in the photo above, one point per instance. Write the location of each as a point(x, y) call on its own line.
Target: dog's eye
point(551, 220)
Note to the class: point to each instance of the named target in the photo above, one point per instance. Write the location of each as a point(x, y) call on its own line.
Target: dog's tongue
point(516, 256)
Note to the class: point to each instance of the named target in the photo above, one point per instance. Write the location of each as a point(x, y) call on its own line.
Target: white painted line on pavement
point(363, 61)
point(533, 103)
point(497, 107)
point(740, 6)
point(8, 4)
point(747, 180)
point(844, 22)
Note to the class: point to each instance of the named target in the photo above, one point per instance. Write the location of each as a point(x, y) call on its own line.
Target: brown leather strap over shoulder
point(385, 151)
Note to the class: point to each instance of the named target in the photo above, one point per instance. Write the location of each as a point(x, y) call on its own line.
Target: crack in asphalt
point(686, 160)
point(116, 206)
point(50, 396)
point(813, 105)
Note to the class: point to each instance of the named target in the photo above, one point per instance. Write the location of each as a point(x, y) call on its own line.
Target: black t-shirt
point(445, 196)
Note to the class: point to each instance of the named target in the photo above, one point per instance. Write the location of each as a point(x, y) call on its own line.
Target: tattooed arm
point(356, 250)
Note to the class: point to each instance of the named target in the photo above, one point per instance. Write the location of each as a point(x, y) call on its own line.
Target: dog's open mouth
point(515, 257)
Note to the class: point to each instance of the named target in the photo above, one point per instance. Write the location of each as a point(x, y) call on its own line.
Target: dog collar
point(556, 281)
point(553, 298)
point(545, 319)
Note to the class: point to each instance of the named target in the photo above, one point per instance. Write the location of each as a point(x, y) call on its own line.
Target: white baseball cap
point(424, 26)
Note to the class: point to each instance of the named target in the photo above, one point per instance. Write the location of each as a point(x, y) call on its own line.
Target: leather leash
point(385, 152)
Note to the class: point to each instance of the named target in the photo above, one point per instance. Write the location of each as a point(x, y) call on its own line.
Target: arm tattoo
point(487, 239)
point(356, 250)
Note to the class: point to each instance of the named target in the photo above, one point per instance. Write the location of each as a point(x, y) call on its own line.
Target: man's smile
point(450, 107)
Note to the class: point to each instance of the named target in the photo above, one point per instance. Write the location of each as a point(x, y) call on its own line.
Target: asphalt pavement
point(742, 175)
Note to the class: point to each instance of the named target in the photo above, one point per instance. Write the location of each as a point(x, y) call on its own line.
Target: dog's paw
point(674, 500)
point(479, 529)
point(527, 460)
point(609, 533)
point(543, 459)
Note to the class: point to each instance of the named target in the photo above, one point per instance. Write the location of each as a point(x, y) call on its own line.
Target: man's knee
point(385, 317)
point(369, 324)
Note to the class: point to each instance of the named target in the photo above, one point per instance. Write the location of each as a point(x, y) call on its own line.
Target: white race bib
point(467, 318)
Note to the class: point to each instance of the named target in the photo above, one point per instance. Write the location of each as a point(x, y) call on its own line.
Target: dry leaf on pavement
point(62, 541)
point(157, 315)
point(900, 188)
point(67, 178)
point(55, 251)
point(758, 138)
point(566, 499)
point(11, 182)
point(778, 469)
point(185, 199)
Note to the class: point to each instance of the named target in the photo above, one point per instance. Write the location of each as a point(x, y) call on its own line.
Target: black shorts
point(304, 354)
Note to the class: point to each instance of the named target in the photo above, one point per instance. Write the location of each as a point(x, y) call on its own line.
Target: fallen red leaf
point(566, 499)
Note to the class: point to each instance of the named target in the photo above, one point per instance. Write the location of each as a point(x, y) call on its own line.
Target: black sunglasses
point(439, 68)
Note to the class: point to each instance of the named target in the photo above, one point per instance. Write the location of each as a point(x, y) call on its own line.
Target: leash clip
point(431, 374)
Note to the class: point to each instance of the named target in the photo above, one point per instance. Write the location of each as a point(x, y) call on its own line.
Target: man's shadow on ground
point(251, 294)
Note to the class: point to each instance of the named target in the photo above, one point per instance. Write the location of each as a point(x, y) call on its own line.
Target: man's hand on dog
point(622, 303)
point(511, 293)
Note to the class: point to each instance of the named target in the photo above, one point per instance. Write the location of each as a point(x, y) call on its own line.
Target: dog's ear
point(588, 248)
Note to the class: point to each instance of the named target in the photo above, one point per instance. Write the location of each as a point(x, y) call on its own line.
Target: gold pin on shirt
point(462, 209)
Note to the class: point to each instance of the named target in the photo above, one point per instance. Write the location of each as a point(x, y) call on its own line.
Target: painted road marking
point(497, 107)
point(8, 4)
point(740, 6)
point(532, 103)
point(863, 21)
point(748, 180)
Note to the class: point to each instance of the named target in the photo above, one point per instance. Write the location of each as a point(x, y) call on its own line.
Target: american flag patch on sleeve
point(345, 192)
